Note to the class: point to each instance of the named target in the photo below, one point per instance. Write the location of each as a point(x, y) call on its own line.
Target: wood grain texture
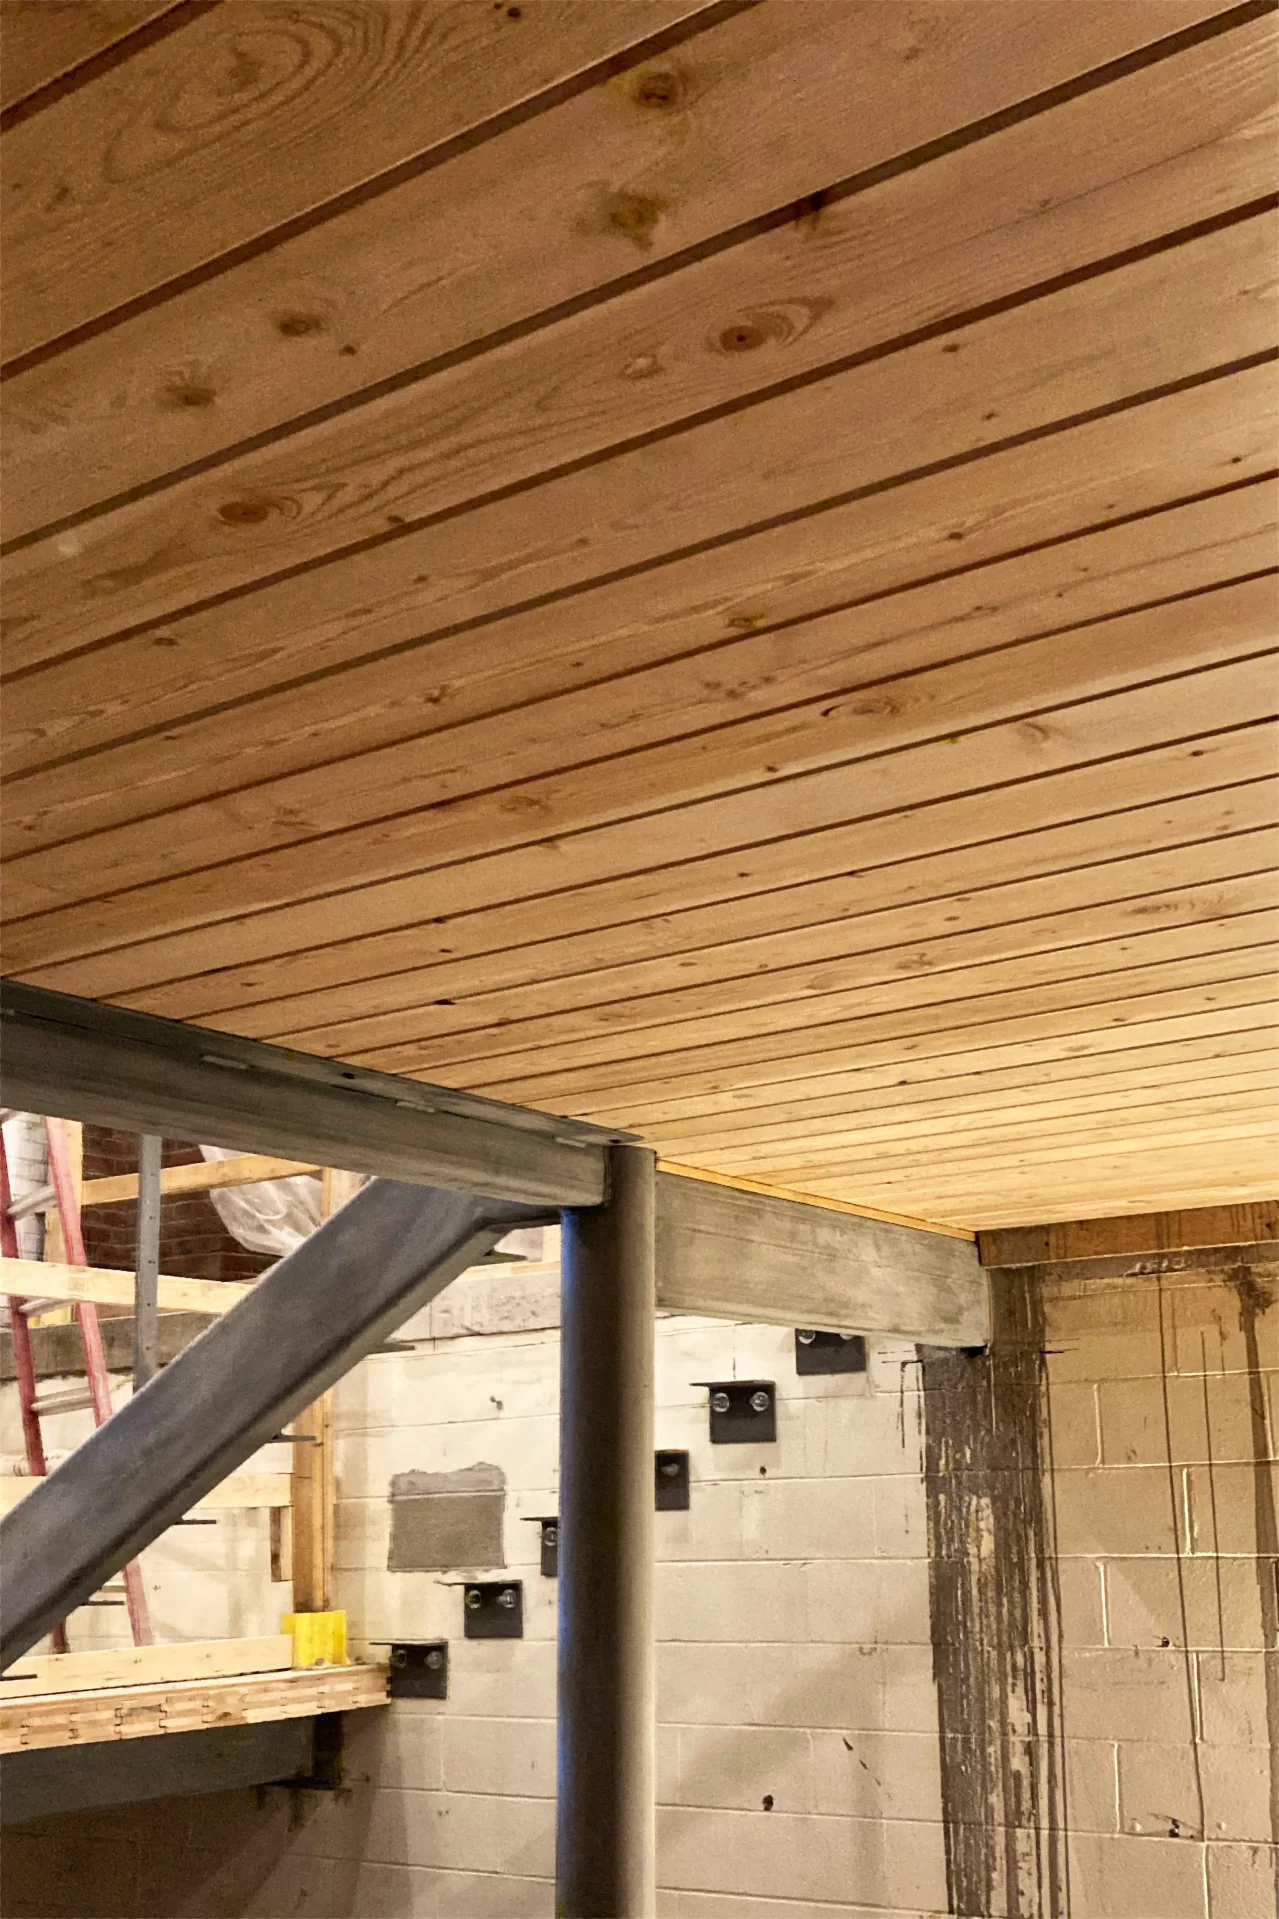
point(497, 675)
point(241, 1492)
point(1156, 1233)
point(458, 576)
point(417, 454)
point(584, 594)
point(926, 714)
point(799, 669)
point(346, 304)
point(761, 843)
point(859, 1015)
point(1075, 1018)
point(138, 1712)
point(1126, 1109)
point(981, 887)
point(742, 1004)
point(105, 1286)
point(77, 1672)
point(1234, 1032)
point(1242, 1114)
point(247, 1169)
point(43, 40)
point(1224, 1059)
point(256, 115)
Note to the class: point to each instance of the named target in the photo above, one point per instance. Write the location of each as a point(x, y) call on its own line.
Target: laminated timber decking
point(40, 1720)
point(706, 567)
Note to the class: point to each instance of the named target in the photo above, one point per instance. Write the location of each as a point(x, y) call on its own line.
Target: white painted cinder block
point(799, 1759)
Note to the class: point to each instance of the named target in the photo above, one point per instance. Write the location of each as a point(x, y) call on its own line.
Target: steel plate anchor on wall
point(493, 1609)
point(829, 1352)
point(743, 1411)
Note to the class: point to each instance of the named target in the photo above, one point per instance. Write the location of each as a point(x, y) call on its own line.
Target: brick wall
point(194, 1244)
point(836, 1659)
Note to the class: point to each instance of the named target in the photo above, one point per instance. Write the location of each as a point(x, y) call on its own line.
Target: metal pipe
point(146, 1296)
point(605, 1810)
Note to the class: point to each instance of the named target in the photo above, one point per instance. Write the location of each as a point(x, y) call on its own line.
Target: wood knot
point(742, 337)
point(661, 89)
point(188, 393)
point(774, 326)
point(245, 512)
point(636, 215)
point(295, 326)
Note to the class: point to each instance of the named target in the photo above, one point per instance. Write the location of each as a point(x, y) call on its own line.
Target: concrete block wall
point(795, 1701)
point(202, 1581)
point(809, 1645)
point(1164, 1399)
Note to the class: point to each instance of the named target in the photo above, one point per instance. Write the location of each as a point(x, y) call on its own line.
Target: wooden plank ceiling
point(705, 566)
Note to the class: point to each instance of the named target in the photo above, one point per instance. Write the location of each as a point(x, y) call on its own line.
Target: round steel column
point(604, 1816)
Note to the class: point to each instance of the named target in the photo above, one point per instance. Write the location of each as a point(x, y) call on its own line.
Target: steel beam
point(604, 1856)
point(738, 1254)
point(306, 1322)
point(80, 1059)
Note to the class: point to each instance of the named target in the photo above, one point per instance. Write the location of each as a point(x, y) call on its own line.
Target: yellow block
point(319, 1638)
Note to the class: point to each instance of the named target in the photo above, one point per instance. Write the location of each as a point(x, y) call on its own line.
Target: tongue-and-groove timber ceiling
point(703, 566)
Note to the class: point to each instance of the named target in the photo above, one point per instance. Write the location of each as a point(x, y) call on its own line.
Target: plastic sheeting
point(276, 1216)
point(273, 1217)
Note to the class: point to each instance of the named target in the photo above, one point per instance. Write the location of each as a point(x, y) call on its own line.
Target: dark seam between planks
point(344, 893)
point(944, 976)
point(722, 409)
point(953, 462)
point(931, 899)
point(1095, 1008)
point(525, 899)
point(149, 34)
point(851, 185)
point(855, 688)
point(560, 596)
point(971, 1000)
point(425, 162)
point(741, 850)
point(932, 1104)
point(776, 892)
point(969, 1007)
point(814, 1079)
point(609, 926)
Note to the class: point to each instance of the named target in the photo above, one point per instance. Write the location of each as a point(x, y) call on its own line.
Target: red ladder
point(97, 1392)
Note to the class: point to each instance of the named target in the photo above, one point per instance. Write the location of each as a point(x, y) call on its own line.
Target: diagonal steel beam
point(387, 1252)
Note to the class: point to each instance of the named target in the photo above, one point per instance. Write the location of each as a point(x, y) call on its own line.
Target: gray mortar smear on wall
point(444, 1521)
point(996, 1615)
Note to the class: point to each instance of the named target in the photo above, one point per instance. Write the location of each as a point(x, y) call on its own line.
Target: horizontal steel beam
point(81, 1059)
point(735, 1254)
point(306, 1322)
point(120, 1772)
